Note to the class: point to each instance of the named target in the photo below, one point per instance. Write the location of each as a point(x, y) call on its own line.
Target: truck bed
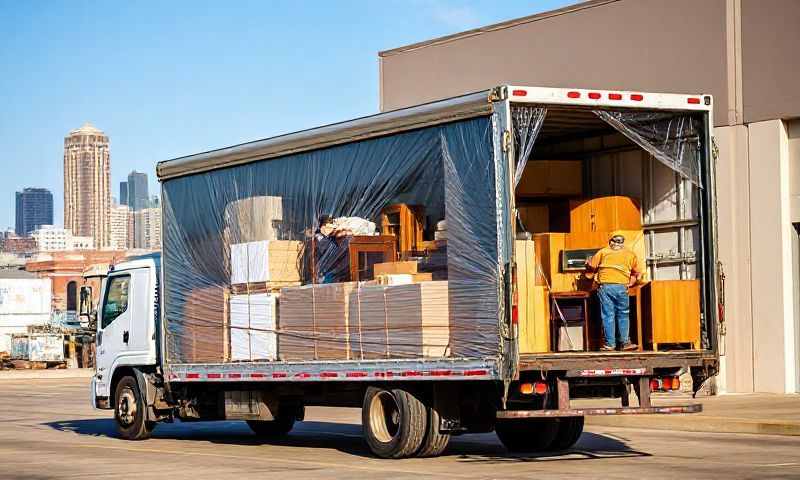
point(589, 361)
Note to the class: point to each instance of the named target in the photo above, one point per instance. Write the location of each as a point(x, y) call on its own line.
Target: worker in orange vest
point(615, 268)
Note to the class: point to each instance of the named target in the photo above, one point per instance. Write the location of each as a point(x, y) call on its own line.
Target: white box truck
point(265, 297)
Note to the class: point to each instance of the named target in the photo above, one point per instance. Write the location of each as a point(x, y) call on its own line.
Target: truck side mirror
point(85, 309)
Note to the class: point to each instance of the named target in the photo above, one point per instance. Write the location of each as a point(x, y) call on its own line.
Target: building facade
point(50, 238)
point(120, 220)
point(147, 229)
point(34, 208)
point(138, 197)
point(740, 51)
point(87, 195)
point(123, 193)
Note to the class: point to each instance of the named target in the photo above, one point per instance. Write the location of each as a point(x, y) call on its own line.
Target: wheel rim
point(384, 416)
point(126, 407)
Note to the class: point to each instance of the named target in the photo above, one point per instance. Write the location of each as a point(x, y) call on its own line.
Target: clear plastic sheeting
point(674, 139)
point(527, 121)
point(377, 249)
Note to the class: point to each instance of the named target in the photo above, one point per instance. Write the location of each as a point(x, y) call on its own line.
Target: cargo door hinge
point(506, 140)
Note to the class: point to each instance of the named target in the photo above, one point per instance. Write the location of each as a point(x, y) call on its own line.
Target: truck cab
point(126, 325)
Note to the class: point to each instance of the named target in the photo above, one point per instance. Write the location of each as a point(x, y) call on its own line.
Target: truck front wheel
point(527, 435)
point(130, 411)
point(394, 422)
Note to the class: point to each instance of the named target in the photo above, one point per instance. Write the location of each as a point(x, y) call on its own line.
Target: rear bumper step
point(580, 412)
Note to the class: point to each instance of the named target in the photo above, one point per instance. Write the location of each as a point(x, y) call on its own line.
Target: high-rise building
point(147, 229)
point(137, 191)
point(34, 209)
point(87, 195)
point(123, 193)
point(120, 220)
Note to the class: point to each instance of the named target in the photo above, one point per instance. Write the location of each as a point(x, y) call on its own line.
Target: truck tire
point(279, 427)
point(569, 431)
point(393, 422)
point(527, 435)
point(434, 443)
point(130, 411)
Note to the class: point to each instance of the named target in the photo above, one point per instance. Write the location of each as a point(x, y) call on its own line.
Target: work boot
point(629, 347)
point(608, 348)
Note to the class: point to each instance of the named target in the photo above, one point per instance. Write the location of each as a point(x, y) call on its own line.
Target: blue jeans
point(614, 311)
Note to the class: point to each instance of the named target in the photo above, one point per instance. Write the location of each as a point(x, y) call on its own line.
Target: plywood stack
point(418, 320)
point(532, 302)
point(368, 334)
point(314, 322)
point(332, 320)
point(202, 331)
point(296, 333)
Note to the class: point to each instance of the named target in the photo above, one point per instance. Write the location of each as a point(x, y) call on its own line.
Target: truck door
point(113, 327)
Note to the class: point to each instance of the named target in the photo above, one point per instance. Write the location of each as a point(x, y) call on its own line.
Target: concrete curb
point(698, 423)
point(46, 374)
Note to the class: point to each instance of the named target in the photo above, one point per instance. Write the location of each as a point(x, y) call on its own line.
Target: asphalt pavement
point(48, 430)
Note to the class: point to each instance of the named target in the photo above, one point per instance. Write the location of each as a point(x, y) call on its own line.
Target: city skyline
point(156, 108)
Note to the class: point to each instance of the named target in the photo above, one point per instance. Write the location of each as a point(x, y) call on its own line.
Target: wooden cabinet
point(671, 314)
point(532, 302)
point(605, 214)
point(406, 223)
point(535, 218)
point(543, 178)
point(365, 251)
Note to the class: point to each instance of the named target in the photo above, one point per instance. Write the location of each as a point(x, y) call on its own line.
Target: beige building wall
point(597, 44)
point(733, 202)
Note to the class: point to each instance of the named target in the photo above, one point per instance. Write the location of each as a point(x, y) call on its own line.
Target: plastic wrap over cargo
point(332, 254)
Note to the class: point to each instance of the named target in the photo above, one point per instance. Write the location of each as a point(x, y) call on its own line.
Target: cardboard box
point(403, 278)
point(417, 319)
point(252, 219)
point(201, 333)
point(253, 325)
point(265, 261)
point(393, 268)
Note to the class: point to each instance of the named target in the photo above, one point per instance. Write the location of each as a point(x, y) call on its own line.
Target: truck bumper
point(580, 412)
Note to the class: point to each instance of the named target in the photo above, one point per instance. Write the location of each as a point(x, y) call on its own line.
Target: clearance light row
point(636, 97)
point(382, 375)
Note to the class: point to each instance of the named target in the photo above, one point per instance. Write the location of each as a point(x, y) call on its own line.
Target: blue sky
point(165, 79)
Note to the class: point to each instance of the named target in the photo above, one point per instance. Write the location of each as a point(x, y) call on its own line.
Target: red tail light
point(519, 93)
point(693, 100)
point(637, 97)
point(574, 94)
point(655, 385)
point(539, 388)
point(614, 96)
point(594, 95)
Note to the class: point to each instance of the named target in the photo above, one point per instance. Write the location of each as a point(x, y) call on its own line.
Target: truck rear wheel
point(434, 442)
point(130, 411)
point(393, 421)
point(527, 435)
point(569, 431)
point(283, 423)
